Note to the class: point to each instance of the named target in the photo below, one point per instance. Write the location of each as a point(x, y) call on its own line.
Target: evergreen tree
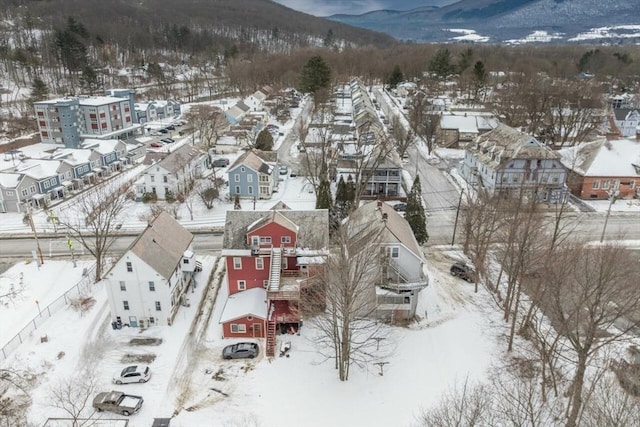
point(466, 56)
point(70, 45)
point(395, 77)
point(479, 76)
point(39, 90)
point(345, 198)
point(264, 141)
point(440, 64)
point(315, 75)
point(323, 199)
point(415, 215)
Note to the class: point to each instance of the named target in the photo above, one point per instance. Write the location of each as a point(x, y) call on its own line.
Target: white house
point(173, 174)
point(255, 100)
point(146, 286)
point(400, 273)
point(510, 162)
point(627, 121)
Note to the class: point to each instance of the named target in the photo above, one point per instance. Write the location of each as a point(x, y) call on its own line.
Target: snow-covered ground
point(455, 340)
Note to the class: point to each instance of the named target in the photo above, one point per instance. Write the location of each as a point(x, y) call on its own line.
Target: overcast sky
point(356, 7)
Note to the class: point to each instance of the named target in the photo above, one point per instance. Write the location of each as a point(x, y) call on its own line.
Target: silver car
point(133, 374)
point(243, 350)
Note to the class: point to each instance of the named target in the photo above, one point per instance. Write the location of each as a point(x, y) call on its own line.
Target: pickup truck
point(118, 402)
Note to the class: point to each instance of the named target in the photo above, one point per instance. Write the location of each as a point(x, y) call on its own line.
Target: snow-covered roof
point(603, 158)
point(10, 180)
point(39, 169)
point(250, 302)
point(102, 146)
point(97, 101)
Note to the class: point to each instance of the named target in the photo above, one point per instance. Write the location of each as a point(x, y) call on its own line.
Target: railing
point(79, 289)
point(283, 295)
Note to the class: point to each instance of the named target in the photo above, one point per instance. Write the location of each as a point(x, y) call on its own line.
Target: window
point(9, 193)
point(153, 178)
point(595, 185)
point(152, 286)
point(605, 184)
point(249, 318)
point(125, 304)
point(237, 190)
point(242, 285)
point(24, 193)
point(123, 287)
point(250, 190)
point(242, 169)
point(259, 263)
point(238, 328)
point(164, 178)
point(266, 240)
point(249, 178)
point(236, 177)
point(158, 306)
point(632, 184)
point(285, 239)
point(395, 252)
point(129, 267)
point(237, 263)
point(255, 240)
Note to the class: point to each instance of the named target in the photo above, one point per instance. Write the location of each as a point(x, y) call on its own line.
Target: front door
point(257, 330)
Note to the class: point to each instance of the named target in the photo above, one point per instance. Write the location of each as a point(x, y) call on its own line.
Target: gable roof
point(10, 180)
point(178, 159)
point(395, 229)
point(252, 159)
point(622, 114)
point(162, 244)
point(275, 217)
point(313, 227)
point(250, 302)
point(603, 158)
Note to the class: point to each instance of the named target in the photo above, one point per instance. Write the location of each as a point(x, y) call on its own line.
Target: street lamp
point(613, 195)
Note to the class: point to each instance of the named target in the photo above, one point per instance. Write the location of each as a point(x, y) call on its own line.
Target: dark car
point(243, 350)
point(400, 207)
point(163, 131)
point(221, 163)
point(463, 271)
point(171, 127)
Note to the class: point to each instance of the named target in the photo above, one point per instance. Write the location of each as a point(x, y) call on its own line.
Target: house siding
point(241, 185)
point(253, 277)
point(249, 326)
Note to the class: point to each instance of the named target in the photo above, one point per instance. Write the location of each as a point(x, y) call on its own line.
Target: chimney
point(384, 216)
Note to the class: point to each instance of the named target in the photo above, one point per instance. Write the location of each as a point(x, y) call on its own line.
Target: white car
point(284, 170)
point(133, 374)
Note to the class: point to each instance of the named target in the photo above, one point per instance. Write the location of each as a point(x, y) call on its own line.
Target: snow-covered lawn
point(454, 340)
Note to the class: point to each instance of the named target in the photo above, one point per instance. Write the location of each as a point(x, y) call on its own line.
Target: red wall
point(226, 328)
point(254, 278)
point(276, 231)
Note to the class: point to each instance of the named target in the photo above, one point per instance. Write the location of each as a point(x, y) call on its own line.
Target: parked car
point(165, 140)
point(400, 207)
point(463, 271)
point(156, 144)
point(118, 402)
point(163, 131)
point(133, 374)
point(221, 163)
point(293, 174)
point(243, 350)
point(284, 170)
point(170, 127)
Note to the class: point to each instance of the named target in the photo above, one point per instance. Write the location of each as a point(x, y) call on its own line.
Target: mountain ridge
point(502, 20)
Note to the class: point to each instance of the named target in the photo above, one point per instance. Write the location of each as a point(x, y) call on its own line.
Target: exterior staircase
point(274, 273)
point(271, 338)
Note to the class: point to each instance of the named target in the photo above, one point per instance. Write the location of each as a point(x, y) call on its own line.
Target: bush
point(149, 198)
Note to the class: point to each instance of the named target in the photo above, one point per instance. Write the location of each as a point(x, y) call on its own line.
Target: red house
point(270, 258)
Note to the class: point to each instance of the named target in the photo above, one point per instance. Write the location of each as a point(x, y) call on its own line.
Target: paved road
point(284, 150)
point(57, 246)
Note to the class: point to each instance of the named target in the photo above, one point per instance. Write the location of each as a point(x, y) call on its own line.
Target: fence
point(79, 289)
point(98, 422)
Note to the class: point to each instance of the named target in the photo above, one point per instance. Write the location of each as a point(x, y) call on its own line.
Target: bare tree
point(403, 138)
point(348, 326)
point(93, 218)
point(208, 190)
point(209, 122)
point(611, 406)
point(422, 120)
point(469, 406)
point(73, 396)
point(319, 150)
point(593, 302)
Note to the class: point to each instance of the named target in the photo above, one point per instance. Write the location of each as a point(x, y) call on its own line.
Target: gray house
point(508, 162)
point(253, 175)
point(398, 267)
point(10, 192)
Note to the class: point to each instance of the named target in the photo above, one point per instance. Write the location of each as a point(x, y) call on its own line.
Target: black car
point(221, 163)
point(400, 207)
point(170, 127)
point(163, 131)
point(243, 350)
point(463, 271)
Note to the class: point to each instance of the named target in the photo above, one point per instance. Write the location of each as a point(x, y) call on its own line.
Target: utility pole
point(381, 366)
point(455, 224)
point(613, 195)
point(35, 234)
